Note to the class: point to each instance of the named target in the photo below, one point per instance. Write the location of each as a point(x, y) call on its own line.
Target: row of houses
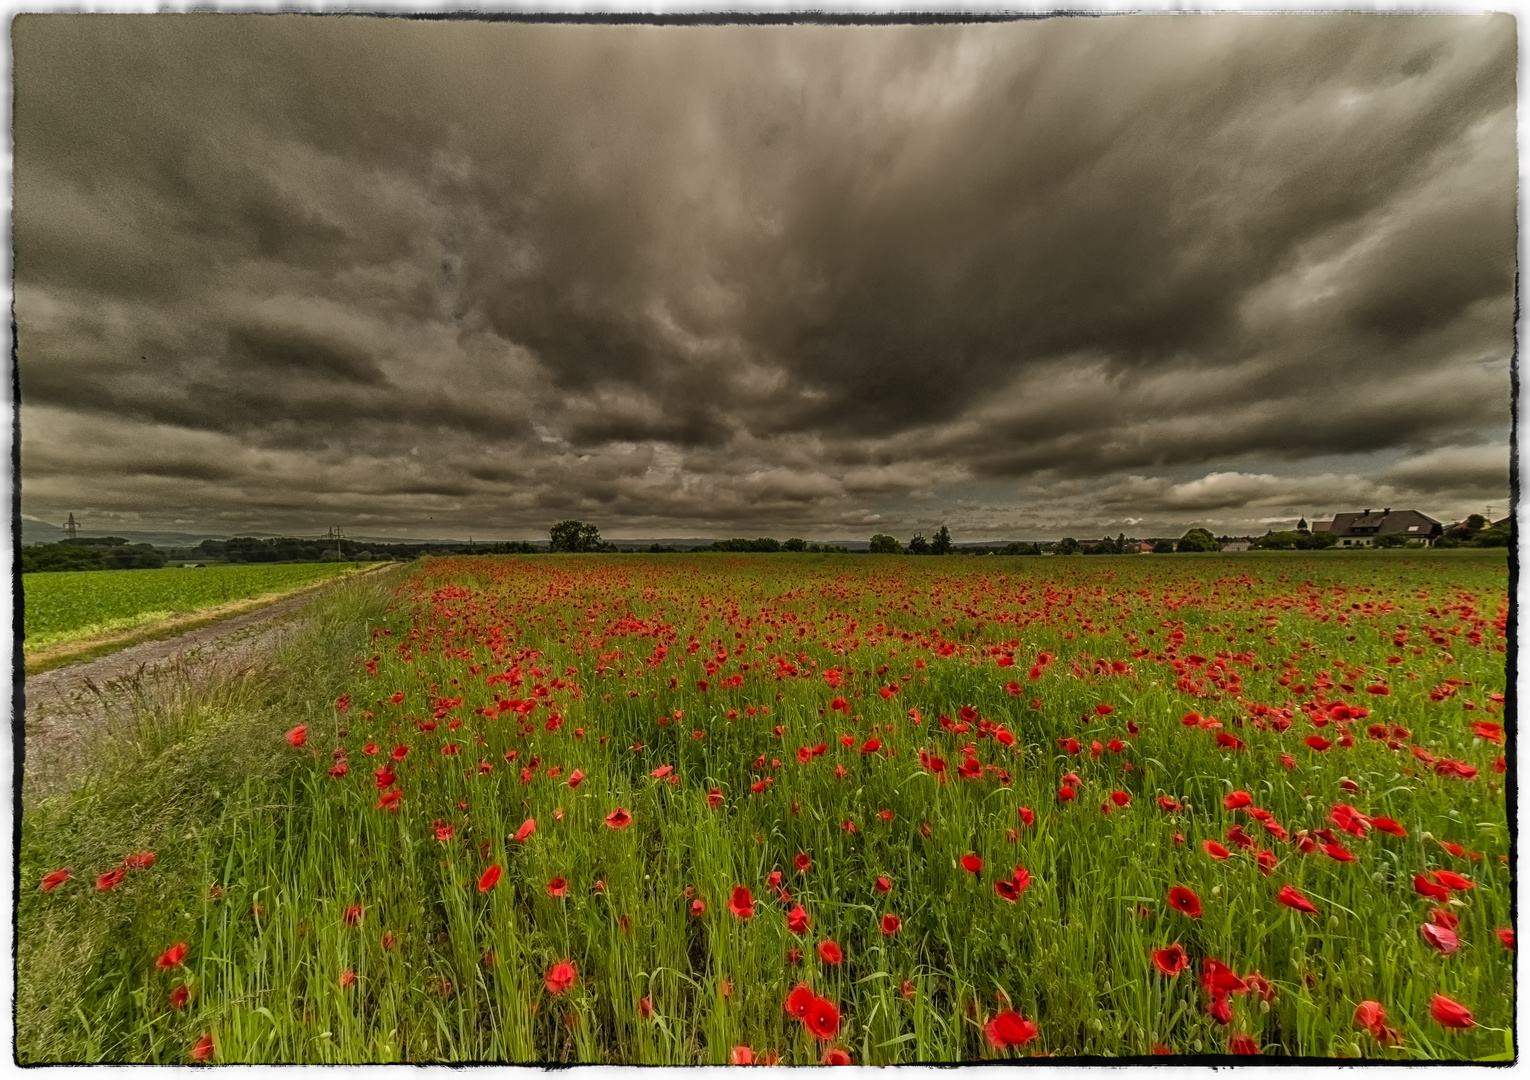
point(1361, 529)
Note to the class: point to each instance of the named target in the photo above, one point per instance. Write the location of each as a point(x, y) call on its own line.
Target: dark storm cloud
point(766, 277)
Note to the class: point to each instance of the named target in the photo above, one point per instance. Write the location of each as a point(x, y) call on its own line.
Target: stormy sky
point(1068, 276)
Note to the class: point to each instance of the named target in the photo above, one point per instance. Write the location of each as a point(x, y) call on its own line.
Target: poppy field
point(839, 809)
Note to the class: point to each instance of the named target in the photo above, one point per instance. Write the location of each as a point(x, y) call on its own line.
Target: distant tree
point(796, 543)
point(1107, 546)
point(574, 536)
point(44, 558)
point(1391, 540)
point(1499, 535)
point(919, 545)
point(1018, 547)
point(882, 544)
point(1278, 541)
point(1198, 540)
point(135, 557)
point(738, 543)
point(1163, 547)
point(940, 544)
point(1068, 546)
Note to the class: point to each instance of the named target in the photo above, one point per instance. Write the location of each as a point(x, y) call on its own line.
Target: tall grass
point(435, 968)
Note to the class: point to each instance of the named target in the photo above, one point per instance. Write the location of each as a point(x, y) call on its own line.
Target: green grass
point(212, 786)
point(73, 605)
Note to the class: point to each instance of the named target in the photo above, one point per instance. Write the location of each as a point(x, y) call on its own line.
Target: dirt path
point(69, 709)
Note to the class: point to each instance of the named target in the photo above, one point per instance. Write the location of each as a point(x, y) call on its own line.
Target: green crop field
point(63, 607)
point(702, 809)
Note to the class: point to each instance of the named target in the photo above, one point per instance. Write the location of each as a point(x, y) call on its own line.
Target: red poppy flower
point(741, 1055)
point(1243, 1044)
point(1217, 979)
point(525, 831)
point(715, 798)
point(1021, 880)
point(1293, 899)
point(1185, 902)
point(1009, 1029)
point(1442, 917)
point(1506, 935)
point(203, 1049)
point(698, 908)
point(390, 800)
point(891, 924)
point(444, 832)
point(822, 1019)
point(971, 863)
point(173, 956)
point(1442, 939)
point(1338, 852)
point(741, 903)
point(1215, 850)
point(388, 941)
point(1104, 710)
point(575, 778)
point(1065, 794)
point(1237, 800)
point(662, 771)
point(1120, 798)
point(298, 735)
point(1371, 1016)
point(830, 953)
point(802, 863)
point(1317, 742)
point(1171, 961)
point(1220, 1009)
point(139, 861)
point(799, 1001)
point(1168, 804)
point(560, 977)
point(1027, 815)
point(1452, 880)
point(798, 920)
point(618, 818)
point(110, 880)
point(557, 887)
point(54, 880)
point(1424, 887)
point(179, 996)
point(490, 878)
point(1451, 1014)
point(347, 979)
point(836, 1056)
point(1387, 825)
point(883, 885)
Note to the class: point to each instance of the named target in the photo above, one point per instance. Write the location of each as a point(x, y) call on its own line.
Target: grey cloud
point(764, 276)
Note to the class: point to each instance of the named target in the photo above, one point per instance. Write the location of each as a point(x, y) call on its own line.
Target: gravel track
point(69, 709)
